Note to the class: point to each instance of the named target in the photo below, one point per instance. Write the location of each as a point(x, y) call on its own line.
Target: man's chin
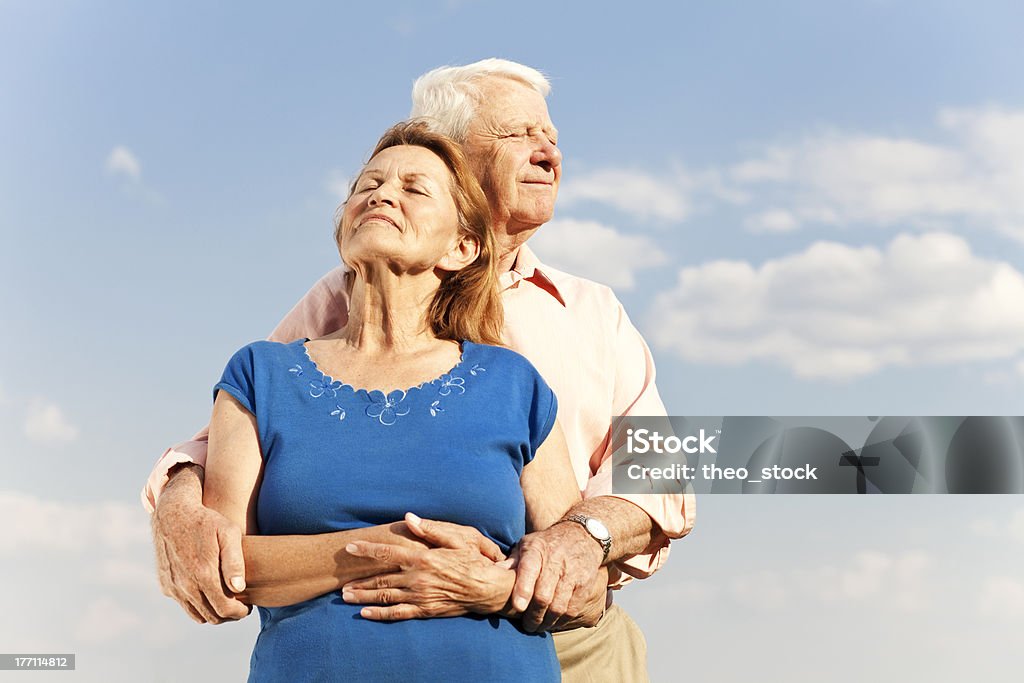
point(535, 216)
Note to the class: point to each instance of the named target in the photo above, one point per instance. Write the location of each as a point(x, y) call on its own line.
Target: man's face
point(512, 146)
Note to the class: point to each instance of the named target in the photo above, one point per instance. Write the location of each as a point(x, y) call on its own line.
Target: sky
point(806, 208)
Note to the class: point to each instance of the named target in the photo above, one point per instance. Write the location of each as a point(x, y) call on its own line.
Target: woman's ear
point(465, 250)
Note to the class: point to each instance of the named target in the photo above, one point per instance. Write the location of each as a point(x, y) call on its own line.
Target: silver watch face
point(597, 529)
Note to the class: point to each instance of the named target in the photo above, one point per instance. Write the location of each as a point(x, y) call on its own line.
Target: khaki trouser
point(614, 651)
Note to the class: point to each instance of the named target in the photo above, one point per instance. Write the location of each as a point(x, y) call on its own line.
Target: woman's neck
point(387, 312)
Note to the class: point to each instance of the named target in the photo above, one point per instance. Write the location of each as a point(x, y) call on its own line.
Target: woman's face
point(401, 212)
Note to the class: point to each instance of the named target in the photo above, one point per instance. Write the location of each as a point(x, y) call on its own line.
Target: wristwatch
point(595, 528)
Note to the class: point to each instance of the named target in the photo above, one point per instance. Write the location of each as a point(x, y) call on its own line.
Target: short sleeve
point(542, 413)
point(237, 379)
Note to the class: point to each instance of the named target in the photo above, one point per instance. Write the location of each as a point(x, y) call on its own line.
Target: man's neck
point(509, 241)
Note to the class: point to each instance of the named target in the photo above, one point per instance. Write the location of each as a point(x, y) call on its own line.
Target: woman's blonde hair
point(466, 304)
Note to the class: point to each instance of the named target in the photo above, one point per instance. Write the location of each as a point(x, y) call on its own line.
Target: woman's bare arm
point(280, 570)
point(549, 485)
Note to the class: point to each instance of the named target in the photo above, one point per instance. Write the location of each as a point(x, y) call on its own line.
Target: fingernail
point(413, 518)
point(347, 596)
point(237, 584)
point(351, 548)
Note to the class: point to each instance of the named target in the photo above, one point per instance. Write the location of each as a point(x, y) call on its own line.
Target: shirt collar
point(528, 268)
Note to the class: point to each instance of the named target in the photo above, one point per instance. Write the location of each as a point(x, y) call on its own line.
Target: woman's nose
point(381, 195)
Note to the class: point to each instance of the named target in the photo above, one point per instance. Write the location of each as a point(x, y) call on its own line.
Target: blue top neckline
point(464, 348)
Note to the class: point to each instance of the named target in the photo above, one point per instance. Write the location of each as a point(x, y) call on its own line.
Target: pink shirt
point(578, 336)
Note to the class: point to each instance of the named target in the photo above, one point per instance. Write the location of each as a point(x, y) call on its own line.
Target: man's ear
point(465, 250)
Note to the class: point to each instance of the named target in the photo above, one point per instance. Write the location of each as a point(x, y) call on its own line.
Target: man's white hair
point(447, 96)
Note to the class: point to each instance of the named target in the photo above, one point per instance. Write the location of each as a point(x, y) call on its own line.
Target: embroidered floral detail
point(388, 408)
point(450, 382)
point(326, 386)
point(297, 369)
point(339, 411)
point(476, 368)
point(436, 408)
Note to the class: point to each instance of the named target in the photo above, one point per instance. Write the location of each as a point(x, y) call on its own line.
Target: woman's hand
point(454, 536)
point(462, 575)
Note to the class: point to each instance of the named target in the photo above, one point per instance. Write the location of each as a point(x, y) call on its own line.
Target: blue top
point(336, 458)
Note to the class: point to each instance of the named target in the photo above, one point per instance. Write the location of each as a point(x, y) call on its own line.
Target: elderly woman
point(409, 407)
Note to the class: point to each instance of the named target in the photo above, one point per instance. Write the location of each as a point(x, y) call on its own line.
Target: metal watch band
point(606, 542)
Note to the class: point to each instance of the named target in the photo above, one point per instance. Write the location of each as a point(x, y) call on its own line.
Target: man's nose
point(547, 155)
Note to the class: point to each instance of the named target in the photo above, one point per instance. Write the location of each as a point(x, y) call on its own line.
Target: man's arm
point(191, 541)
point(192, 545)
point(559, 566)
point(640, 525)
point(672, 513)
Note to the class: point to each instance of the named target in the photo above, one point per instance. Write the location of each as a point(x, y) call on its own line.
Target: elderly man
point(577, 335)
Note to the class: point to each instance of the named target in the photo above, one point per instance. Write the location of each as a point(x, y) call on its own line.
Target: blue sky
point(805, 207)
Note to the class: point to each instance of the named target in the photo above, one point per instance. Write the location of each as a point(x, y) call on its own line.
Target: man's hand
point(458, 576)
point(555, 574)
point(195, 546)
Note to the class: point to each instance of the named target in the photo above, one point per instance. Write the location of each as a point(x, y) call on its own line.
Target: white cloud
point(1020, 367)
point(997, 378)
point(974, 176)
point(1002, 596)
point(775, 164)
point(637, 193)
point(690, 592)
point(773, 220)
point(868, 578)
point(986, 528)
point(835, 311)
point(863, 579)
point(122, 161)
point(104, 620)
point(123, 571)
point(1011, 528)
point(45, 423)
point(596, 251)
point(679, 595)
point(872, 575)
point(1015, 527)
point(60, 526)
point(764, 590)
